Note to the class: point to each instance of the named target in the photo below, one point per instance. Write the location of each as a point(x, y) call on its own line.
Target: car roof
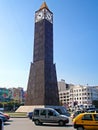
point(44, 109)
point(90, 113)
point(85, 113)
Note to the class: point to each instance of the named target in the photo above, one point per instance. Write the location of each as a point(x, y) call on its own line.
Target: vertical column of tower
point(42, 86)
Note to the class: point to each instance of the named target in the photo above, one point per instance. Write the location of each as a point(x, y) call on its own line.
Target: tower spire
point(44, 5)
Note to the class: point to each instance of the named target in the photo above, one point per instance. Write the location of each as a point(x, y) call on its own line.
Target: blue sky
point(75, 40)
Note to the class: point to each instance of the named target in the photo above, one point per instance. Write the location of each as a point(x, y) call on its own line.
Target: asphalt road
point(27, 124)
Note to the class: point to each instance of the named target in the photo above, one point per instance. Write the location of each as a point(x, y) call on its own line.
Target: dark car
point(91, 111)
point(74, 114)
point(1, 124)
point(5, 114)
point(29, 115)
point(4, 118)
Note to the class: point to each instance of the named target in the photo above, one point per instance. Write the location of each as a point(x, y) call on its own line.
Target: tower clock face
point(44, 14)
point(49, 16)
point(39, 16)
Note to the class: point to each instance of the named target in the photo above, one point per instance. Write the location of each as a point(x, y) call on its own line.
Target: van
point(60, 109)
point(48, 115)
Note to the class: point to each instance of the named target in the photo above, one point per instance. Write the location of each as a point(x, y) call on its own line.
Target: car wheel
point(61, 123)
point(37, 122)
point(80, 128)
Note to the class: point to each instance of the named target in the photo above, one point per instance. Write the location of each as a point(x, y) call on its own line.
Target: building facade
point(77, 95)
point(12, 94)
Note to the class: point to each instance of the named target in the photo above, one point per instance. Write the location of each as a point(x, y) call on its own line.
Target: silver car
point(48, 115)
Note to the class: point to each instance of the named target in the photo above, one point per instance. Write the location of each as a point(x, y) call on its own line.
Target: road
point(27, 124)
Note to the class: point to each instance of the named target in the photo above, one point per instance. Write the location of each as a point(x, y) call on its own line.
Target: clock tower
point(42, 86)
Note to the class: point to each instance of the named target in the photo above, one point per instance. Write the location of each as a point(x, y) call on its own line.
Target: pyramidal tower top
point(44, 5)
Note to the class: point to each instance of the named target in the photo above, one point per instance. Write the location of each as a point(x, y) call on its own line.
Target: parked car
point(29, 115)
point(60, 109)
point(4, 118)
point(1, 124)
point(92, 111)
point(86, 121)
point(48, 115)
point(75, 113)
point(5, 114)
